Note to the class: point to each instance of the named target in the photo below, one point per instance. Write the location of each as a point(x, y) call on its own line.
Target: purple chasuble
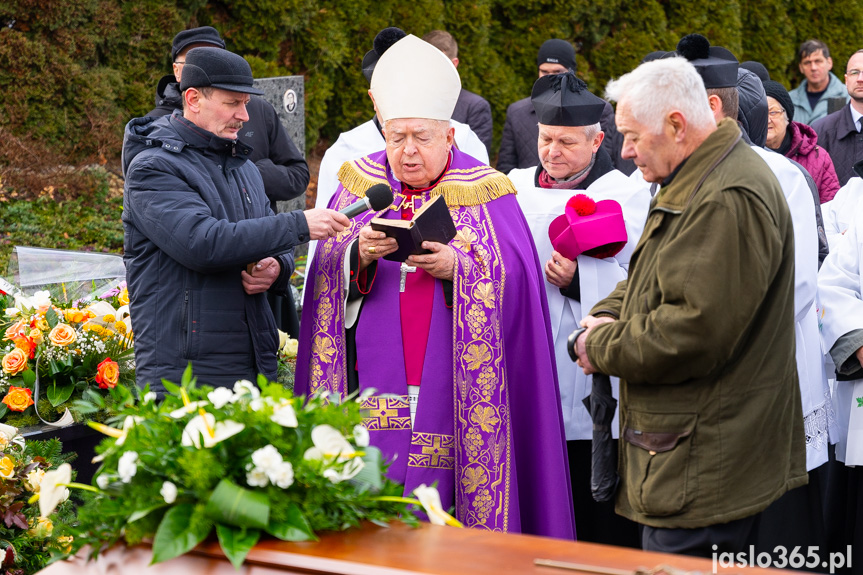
point(488, 426)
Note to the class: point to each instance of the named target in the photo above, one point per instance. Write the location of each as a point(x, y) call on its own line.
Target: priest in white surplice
point(573, 162)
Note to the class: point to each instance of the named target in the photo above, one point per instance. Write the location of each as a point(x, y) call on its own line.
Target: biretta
point(413, 79)
point(716, 65)
point(217, 68)
point(564, 100)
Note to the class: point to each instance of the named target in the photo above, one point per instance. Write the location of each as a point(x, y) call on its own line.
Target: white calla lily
point(331, 443)
point(52, 489)
point(429, 498)
point(284, 414)
point(187, 409)
point(204, 431)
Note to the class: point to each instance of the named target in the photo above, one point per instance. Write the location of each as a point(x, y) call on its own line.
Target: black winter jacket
point(475, 111)
point(195, 214)
point(839, 136)
point(285, 172)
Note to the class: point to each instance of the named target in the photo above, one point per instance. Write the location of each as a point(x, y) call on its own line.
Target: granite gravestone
point(287, 95)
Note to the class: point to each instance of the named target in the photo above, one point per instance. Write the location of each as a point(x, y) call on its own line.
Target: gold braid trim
point(453, 187)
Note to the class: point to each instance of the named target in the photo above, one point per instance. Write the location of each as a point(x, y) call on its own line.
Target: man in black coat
point(471, 109)
point(840, 132)
point(285, 172)
point(520, 132)
point(202, 245)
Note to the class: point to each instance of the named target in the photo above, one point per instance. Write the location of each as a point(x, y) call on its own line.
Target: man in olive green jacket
point(701, 334)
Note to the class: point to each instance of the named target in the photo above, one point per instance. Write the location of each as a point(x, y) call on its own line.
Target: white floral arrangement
point(247, 462)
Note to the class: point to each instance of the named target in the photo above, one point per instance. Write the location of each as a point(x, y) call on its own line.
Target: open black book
point(431, 223)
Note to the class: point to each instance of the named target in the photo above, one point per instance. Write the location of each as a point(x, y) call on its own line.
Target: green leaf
point(171, 388)
point(51, 317)
point(370, 477)
point(141, 513)
point(58, 394)
point(294, 528)
point(236, 543)
point(175, 536)
point(860, 402)
point(3, 409)
point(29, 377)
point(231, 504)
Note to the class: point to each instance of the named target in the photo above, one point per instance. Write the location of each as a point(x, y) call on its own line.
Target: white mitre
point(413, 79)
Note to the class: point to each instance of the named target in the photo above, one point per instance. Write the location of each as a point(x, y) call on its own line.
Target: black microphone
point(377, 198)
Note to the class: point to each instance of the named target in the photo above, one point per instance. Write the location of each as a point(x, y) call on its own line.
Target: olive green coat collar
point(677, 195)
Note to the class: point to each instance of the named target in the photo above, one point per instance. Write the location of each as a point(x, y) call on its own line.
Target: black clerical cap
point(563, 100)
point(716, 65)
point(384, 39)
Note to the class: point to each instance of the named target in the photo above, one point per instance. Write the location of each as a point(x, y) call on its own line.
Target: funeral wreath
point(243, 463)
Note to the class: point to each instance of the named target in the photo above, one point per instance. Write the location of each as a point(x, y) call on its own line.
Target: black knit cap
point(778, 92)
point(202, 35)
point(563, 100)
point(716, 65)
point(385, 38)
point(556, 52)
point(217, 68)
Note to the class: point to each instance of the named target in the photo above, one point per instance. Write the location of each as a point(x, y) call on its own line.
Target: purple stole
point(472, 397)
point(462, 436)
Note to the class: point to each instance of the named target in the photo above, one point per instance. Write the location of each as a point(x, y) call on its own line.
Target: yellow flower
point(43, 528)
point(123, 298)
point(120, 327)
point(62, 334)
point(109, 318)
point(65, 543)
point(477, 355)
point(34, 479)
point(7, 467)
point(73, 315)
point(36, 336)
point(42, 324)
point(485, 417)
point(15, 362)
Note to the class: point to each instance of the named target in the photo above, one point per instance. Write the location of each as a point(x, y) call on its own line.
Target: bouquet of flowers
point(244, 463)
point(56, 351)
point(28, 472)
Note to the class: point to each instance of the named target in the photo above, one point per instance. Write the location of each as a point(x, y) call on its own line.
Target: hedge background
point(73, 73)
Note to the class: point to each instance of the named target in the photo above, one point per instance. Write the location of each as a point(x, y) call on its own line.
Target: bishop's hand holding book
point(431, 223)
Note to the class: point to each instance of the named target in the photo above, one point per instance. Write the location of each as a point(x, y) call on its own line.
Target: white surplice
point(838, 213)
point(840, 289)
point(597, 277)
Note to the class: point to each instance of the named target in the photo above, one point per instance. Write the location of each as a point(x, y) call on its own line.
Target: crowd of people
point(670, 246)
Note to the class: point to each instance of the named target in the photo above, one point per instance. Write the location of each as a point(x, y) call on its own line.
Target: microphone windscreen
point(380, 196)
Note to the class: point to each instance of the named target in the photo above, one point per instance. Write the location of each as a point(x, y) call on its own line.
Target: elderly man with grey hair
point(573, 164)
point(701, 333)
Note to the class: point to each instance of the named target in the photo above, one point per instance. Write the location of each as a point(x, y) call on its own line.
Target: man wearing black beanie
point(518, 145)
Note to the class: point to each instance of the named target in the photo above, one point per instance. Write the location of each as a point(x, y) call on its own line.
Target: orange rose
point(36, 336)
point(16, 329)
point(62, 334)
point(15, 362)
point(74, 315)
point(107, 373)
point(18, 398)
point(25, 344)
